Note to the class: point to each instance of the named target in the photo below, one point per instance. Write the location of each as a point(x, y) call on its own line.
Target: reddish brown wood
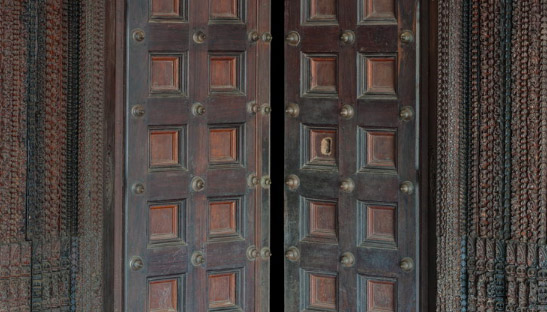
point(381, 296)
point(322, 292)
point(171, 72)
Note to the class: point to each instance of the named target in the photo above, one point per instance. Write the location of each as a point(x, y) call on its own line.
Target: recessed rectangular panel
point(322, 291)
point(167, 9)
point(377, 11)
point(377, 294)
point(166, 222)
point(319, 75)
point(377, 225)
point(377, 75)
point(166, 148)
point(224, 218)
point(168, 74)
point(320, 220)
point(225, 10)
point(224, 289)
point(226, 73)
point(319, 12)
point(377, 149)
point(163, 295)
point(225, 145)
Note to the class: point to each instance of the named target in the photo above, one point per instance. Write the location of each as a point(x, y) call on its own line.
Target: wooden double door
point(197, 155)
point(351, 158)
point(197, 164)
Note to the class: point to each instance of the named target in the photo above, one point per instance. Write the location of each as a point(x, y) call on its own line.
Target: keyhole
point(326, 146)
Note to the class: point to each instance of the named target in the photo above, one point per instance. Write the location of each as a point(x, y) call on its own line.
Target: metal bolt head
point(293, 38)
point(292, 110)
point(347, 259)
point(137, 111)
point(265, 253)
point(293, 182)
point(347, 185)
point(406, 113)
point(267, 37)
point(199, 37)
point(407, 187)
point(198, 184)
point(266, 109)
point(266, 181)
point(136, 263)
point(254, 36)
point(198, 109)
point(347, 112)
point(138, 35)
point(347, 37)
point(407, 36)
point(138, 188)
point(292, 254)
point(407, 264)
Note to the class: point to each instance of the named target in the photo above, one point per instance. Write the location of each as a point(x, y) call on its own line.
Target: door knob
point(198, 184)
point(347, 185)
point(347, 37)
point(292, 254)
point(347, 112)
point(198, 258)
point(407, 264)
point(293, 182)
point(136, 263)
point(199, 37)
point(293, 38)
point(347, 259)
point(407, 187)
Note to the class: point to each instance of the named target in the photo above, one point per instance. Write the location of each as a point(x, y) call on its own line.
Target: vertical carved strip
point(90, 161)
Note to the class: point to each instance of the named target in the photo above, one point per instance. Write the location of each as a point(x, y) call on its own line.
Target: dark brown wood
point(195, 167)
point(375, 222)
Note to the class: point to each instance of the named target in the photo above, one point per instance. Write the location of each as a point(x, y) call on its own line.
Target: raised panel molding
point(224, 289)
point(320, 12)
point(321, 291)
point(168, 9)
point(226, 11)
point(163, 295)
point(224, 218)
point(377, 149)
point(319, 147)
point(227, 73)
point(377, 225)
point(166, 222)
point(168, 74)
point(377, 11)
point(319, 220)
point(377, 75)
point(167, 148)
point(225, 145)
point(377, 294)
point(319, 75)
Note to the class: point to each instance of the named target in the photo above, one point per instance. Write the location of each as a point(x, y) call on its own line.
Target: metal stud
point(347, 37)
point(407, 264)
point(406, 113)
point(137, 111)
point(266, 181)
point(347, 259)
point(199, 37)
point(293, 110)
point(292, 254)
point(267, 37)
point(407, 36)
point(254, 36)
point(252, 107)
point(265, 253)
point(407, 187)
point(138, 188)
point(293, 38)
point(138, 35)
point(347, 112)
point(136, 263)
point(293, 182)
point(198, 109)
point(347, 185)
point(266, 109)
point(252, 180)
point(198, 258)
point(252, 253)
point(198, 184)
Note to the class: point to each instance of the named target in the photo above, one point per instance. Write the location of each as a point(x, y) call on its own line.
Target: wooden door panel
point(351, 152)
point(191, 147)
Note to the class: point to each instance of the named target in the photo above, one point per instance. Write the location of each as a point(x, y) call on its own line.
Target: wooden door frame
point(114, 124)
